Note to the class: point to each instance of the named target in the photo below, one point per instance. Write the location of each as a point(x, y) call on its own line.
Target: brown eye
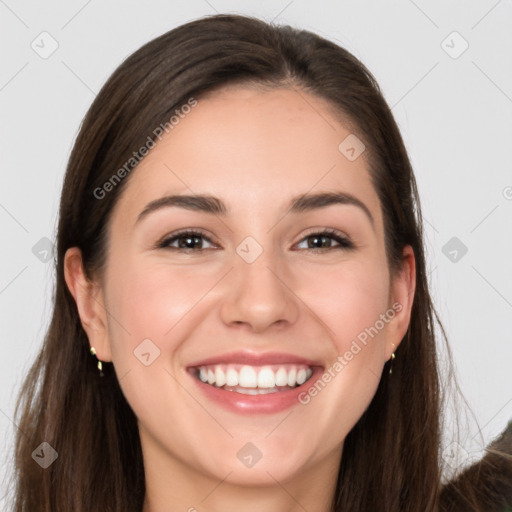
point(324, 240)
point(187, 241)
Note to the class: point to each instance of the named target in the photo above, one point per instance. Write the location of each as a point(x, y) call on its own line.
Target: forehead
point(254, 149)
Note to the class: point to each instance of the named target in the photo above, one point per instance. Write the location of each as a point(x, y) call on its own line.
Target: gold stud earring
point(390, 368)
point(100, 364)
point(391, 359)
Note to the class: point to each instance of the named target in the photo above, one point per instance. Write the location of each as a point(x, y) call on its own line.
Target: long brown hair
point(391, 458)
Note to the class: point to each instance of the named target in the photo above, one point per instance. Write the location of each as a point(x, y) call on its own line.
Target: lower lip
point(256, 404)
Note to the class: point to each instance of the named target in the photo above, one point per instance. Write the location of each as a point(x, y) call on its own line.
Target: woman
point(240, 250)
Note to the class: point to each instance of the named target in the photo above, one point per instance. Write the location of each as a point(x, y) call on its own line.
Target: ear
point(89, 300)
point(403, 287)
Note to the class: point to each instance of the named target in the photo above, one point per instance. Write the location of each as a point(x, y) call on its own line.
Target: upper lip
point(255, 359)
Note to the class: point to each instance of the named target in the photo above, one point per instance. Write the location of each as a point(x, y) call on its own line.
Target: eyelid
point(322, 230)
point(164, 241)
point(344, 241)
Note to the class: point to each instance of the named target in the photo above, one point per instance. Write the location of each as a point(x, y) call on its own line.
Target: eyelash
point(343, 241)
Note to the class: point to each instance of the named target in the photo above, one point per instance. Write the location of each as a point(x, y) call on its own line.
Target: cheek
point(348, 299)
point(154, 311)
point(352, 302)
point(155, 298)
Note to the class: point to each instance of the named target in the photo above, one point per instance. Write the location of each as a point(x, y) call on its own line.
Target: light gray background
point(454, 113)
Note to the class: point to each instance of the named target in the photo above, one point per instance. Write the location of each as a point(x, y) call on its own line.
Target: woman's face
point(259, 297)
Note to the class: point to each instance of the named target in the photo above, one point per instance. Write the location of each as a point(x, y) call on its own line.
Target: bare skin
point(255, 151)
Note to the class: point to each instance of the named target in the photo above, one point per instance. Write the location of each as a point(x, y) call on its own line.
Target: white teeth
point(250, 391)
point(254, 391)
point(232, 377)
point(281, 377)
point(265, 379)
point(220, 378)
point(247, 377)
point(301, 376)
point(292, 377)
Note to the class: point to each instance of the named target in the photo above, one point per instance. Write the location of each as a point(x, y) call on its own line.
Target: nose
point(258, 295)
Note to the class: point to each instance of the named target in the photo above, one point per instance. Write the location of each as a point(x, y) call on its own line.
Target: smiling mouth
point(253, 380)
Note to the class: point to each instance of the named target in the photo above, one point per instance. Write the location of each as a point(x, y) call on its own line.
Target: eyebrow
point(214, 206)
